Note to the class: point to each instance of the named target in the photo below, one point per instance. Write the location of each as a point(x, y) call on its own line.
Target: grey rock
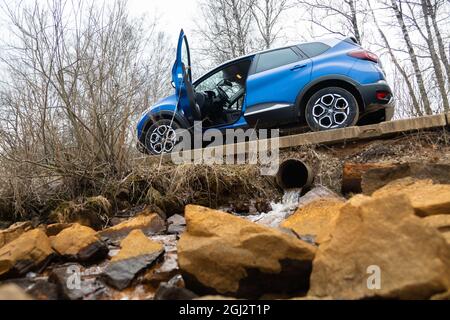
point(315, 193)
point(177, 224)
point(120, 274)
point(76, 283)
point(96, 251)
point(174, 290)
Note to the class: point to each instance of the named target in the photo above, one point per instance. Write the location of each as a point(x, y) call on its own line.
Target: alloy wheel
point(330, 111)
point(162, 139)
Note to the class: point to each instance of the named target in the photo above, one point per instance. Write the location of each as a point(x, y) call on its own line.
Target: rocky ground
point(389, 238)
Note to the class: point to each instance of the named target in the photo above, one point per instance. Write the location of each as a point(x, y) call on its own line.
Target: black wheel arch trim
point(164, 114)
point(300, 103)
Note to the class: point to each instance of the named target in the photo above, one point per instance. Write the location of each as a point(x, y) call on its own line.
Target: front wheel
point(331, 108)
point(161, 137)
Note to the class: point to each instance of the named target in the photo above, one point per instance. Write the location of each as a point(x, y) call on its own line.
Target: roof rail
point(352, 39)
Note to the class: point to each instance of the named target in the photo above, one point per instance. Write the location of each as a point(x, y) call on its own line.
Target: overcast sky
point(177, 14)
point(174, 14)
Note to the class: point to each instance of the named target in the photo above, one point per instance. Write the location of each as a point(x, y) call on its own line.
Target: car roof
point(331, 41)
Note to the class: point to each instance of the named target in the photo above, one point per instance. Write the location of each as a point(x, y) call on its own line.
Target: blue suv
point(325, 84)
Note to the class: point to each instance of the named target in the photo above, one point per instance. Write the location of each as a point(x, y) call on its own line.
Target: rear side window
point(313, 49)
point(277, 58)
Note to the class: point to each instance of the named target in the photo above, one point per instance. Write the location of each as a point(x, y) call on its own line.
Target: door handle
point(297, 67)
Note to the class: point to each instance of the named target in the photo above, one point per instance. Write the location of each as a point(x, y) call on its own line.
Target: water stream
point(280, 210)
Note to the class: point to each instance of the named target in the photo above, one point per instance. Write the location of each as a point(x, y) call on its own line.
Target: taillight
point(383, 95)
point(364, 55)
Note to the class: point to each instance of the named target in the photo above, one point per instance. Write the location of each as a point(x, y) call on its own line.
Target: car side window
point(313, 49)
point(277, 58)
point(211, 83)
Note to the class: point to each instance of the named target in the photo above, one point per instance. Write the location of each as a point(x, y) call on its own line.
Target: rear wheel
point(331, 108)
point(161, 137)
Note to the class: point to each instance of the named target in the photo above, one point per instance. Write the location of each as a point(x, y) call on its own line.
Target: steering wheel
point(222, 94)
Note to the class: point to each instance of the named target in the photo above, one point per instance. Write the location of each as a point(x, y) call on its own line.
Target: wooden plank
point(412, 124)
point(336, 135)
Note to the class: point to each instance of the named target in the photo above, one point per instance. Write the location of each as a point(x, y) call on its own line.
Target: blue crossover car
point(325, 84)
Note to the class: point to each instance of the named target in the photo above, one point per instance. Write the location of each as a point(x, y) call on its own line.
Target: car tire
point(331, 108)
point(161, 136)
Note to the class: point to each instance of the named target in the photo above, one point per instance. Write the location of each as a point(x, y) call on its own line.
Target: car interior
point(220, 96)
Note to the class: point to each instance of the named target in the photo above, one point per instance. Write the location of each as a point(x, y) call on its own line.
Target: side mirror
point(172, 84)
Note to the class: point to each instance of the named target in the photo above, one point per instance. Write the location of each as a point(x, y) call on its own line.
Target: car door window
point(210, 83)
point(235, 75)
point(276, 58)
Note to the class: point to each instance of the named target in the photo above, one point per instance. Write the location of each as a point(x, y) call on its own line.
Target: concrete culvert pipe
point(294, 173)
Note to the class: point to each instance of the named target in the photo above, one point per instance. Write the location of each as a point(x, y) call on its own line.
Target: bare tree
point(335, 16)
point(159, 68)
point(397, 9)
point(434, 6)
point(427, 12)
point(416, 111)
point(77, 74)
point(267, 14)
point(226, 28)
point(419, 14)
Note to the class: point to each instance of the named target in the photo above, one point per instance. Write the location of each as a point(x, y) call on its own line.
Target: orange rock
point(380, 249)
point(137, 244)
point(26, 253)
point(426, 198)
point(316, 219)
point(376, 178)
point(233, 256)
point(12, 291)
point(14, 231)
point(136, 254)
point(148, 224)
point(79, 243)
point(441, 223)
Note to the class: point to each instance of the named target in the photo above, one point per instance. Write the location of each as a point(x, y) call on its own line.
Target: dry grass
point(167, 188)
point(94, 212)
point(207, 185)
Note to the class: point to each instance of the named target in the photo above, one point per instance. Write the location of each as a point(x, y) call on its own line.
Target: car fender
point(160, 113)
point(299, 102)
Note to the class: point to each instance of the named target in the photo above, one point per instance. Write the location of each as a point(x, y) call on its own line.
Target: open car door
point(182, 81)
